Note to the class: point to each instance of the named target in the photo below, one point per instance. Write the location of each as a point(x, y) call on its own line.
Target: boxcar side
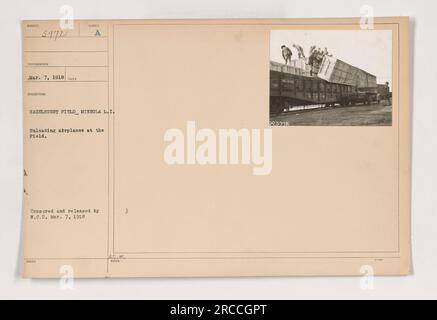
point(289, 90)
point(291, 86)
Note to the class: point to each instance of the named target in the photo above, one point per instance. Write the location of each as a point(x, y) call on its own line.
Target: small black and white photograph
point(331, 77)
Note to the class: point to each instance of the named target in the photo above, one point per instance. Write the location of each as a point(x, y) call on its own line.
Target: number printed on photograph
point(331, 78)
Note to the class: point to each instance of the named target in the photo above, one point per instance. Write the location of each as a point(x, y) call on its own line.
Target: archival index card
point(179, 148)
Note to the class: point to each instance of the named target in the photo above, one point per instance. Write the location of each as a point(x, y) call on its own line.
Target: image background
point(421, 285)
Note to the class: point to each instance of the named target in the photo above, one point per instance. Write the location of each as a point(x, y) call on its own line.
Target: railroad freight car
point(291, 86)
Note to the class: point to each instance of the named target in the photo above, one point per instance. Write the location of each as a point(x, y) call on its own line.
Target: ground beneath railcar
point(360, 115)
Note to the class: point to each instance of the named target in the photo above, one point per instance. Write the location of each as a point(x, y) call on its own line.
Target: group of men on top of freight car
point(315, 57)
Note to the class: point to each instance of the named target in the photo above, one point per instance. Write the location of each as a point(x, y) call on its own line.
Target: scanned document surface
point(161, 148)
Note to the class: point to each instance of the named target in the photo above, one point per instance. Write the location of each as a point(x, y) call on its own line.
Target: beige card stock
point(161, 148)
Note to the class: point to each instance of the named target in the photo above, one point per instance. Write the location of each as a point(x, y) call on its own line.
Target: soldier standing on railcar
point(300, 52)
point(286, 54)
